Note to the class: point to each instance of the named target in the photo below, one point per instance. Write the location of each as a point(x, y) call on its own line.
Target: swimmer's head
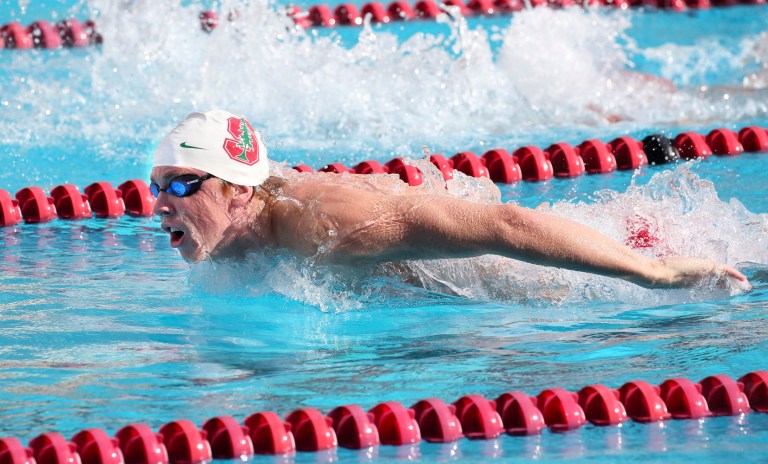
point(219, 143)
point(206, 176)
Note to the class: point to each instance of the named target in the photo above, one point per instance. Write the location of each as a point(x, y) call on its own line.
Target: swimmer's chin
point(193, 259)
point(196, 256)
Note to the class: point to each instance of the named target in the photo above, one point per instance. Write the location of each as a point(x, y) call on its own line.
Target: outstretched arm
point(426, 227)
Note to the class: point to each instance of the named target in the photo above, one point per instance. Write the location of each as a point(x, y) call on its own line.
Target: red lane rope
point(71, 33)
point(531, 163)
point(42, 34)
point(528, 163)
point(391, 423)
point(348, 14)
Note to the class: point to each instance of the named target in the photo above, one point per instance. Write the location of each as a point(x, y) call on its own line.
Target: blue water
point(103, 325)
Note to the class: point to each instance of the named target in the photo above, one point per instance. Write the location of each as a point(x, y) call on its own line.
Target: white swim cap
point(217, 142)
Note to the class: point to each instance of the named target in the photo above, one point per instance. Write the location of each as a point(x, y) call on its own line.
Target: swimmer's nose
point(162, 206)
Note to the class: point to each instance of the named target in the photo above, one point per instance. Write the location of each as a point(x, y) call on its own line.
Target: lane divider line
point(391, 423)
point(528, 163)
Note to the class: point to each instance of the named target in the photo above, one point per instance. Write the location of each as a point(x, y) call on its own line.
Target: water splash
point(310, 92)
point(681, 210)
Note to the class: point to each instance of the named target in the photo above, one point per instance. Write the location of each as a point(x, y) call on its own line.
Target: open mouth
point(177, 236)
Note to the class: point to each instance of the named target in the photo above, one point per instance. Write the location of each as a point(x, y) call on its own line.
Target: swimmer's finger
point(732, 272)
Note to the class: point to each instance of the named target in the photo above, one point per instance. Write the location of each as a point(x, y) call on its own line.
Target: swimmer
point(217, 200)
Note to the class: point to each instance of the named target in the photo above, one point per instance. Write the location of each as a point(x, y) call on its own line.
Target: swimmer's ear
point(241, 194)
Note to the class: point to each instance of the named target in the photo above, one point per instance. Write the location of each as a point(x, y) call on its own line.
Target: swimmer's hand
point(688, 272)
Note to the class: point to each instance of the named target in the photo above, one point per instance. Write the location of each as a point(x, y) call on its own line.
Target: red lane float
point(427, 9)
point(756, 390)
point(400, 11)
point(445, 166)
point(468, 163)
point(10, 213)
point(408, 174)
point(13, 452)
point(459, 5)
point(437, 421)
point(561, 409)
point(753, 139)
point(565, 160)
point(354, 427)
point(185, 442)
point(642, 402)
point(482, 7)
point(479, 418)
point(369, 167)
point(347, 14)
point(597, 157)
point(601, 405)
point(44, 35)
point(336, 168)
point(228, 439)
point(628, 153)
point(53, 448)
point(397, 425)
point(683, 399)
point(509, 6)
point(137, 197)
point(502, 167)
point(534, 165)
point(15, 35)
point(105, 201)
point(321, 15)
point(96, 447)
point(72, 33)
point(311, 430)
point(269, 434)
point(70, 203)
point(724, 396)
point(35, 206)
point(377, 11)
point(691, 145)
point(519, 413)
point(303, 168)
point(140, 445)
point(724, 142)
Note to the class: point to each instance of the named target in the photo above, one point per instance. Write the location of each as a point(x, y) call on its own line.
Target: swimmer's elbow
point(517, 230)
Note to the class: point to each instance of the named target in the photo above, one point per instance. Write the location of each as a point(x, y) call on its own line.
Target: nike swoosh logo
point(184, 145)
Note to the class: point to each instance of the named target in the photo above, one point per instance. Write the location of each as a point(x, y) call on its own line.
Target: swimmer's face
point(197, 224)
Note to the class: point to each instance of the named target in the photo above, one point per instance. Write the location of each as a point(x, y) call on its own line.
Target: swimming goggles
point(181, 186)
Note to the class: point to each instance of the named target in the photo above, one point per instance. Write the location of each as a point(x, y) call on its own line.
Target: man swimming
point(216, 199)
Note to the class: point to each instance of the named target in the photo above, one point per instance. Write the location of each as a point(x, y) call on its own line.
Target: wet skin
point(355, 225)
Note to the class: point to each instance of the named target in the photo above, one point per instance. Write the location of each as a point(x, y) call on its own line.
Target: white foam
point(382, 96)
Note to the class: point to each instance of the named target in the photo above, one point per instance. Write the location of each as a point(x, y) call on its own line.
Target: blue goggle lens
point(181, 186)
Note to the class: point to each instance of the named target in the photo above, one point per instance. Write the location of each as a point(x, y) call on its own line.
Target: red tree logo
point(243, 147)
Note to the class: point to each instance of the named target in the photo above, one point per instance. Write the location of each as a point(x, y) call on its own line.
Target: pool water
point(103, 325)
